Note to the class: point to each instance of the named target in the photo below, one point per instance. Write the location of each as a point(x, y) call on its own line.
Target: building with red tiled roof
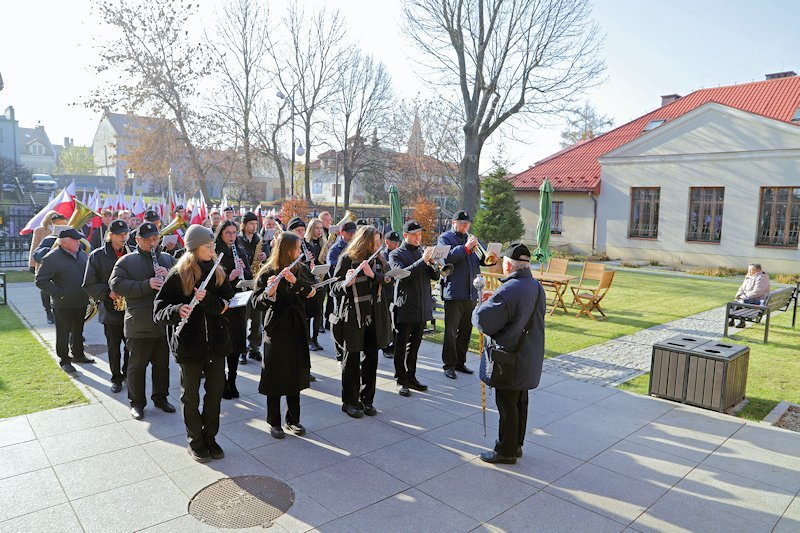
point(580, 174)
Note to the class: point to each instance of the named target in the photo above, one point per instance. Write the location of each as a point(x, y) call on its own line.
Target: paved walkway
point(596, 459)
point(621, 359)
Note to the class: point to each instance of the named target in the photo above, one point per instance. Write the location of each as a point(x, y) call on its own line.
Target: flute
point(351, 277)
point(280, 275)
point(195, 301)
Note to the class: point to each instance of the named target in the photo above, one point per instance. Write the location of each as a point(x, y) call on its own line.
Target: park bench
point(777, 300)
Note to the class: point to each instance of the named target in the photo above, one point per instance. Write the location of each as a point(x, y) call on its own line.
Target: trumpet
point(444, 269)
point(483, 255)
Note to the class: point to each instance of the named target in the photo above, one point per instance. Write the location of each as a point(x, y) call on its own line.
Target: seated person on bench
point(754, 289)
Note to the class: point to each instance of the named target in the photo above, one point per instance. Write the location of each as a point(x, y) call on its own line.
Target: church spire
point(416, 144)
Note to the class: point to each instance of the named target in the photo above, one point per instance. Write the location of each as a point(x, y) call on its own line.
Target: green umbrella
point(396, 212)
point(542, 252)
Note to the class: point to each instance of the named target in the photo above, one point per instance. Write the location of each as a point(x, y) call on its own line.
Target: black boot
point(234, 392)
point(226, 392)
point(50, 318)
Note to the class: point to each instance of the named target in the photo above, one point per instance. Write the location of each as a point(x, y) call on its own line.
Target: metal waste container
point(668, 366)
point(717, 375)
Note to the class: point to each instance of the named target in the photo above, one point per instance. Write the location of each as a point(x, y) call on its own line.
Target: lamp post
point(300, 150)
point(131, 177)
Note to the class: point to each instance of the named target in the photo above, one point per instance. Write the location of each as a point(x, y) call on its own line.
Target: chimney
point(668, 99)
point(785, 74)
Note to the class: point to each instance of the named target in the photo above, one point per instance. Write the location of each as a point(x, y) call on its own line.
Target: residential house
point(709, 179)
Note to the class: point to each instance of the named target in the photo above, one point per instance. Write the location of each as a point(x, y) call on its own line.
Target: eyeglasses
point(229, 232)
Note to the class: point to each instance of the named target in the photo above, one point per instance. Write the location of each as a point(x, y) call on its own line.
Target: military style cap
point(71, 233)
point(119, 227)
point(461, 216)
point(518, 252)
point(412, 226)
point(146, 230)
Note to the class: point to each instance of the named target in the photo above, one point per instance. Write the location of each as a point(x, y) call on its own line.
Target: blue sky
point(651, 48)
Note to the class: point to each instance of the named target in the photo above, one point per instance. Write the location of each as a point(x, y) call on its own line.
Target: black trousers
point(46, 302)
point(256, 334)
point(513, 408)
point(69, 334)
point(407, 339)
point(457, 331)
point(358, 377)
point(202, 427)
point(144, 351)
point(115, 336)
point(274, 409)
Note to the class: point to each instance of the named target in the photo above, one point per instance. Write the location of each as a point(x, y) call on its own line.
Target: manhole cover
point(95, 349)
point(241, 502)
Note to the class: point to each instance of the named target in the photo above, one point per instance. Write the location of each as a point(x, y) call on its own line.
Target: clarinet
point(307, 253)
point(236, 260)
point(153, 253)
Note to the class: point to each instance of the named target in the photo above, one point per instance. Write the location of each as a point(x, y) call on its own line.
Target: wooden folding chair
point(555, 266)
point(590, 301)
point(591, 272)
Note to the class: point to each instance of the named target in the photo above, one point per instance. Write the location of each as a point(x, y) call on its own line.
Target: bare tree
point(155, 68)
point(306, 57)
point(361, 105)
point(269, 123)
point(584, 123)
point(503, 58)
point(240, 44)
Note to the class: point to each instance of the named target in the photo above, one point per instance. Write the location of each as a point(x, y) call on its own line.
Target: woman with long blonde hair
point(286, 360)
point(314, 238)
point(203, 342)
point(359, 324)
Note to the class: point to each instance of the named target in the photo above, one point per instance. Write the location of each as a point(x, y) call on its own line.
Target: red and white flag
point(200, 213)
point(63, 203)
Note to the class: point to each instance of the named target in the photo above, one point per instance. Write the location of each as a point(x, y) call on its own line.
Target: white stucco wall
point(711, 149)
point(576, 222)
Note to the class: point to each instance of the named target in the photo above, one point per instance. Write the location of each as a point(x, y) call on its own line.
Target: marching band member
point(138, 276)
point(215, 218)
point(201, 346)
point(326, 219)
point(287, 365)
point(458, 294)
point(346, 233)
point(358, 325)
point(60, 276)
point(314, 244)
point(95, 282)
point(40, 234)
point(228, 213)
point(253, 245)
point(391, 241)
point(412, 305)
point(234, 266)
point(298, 227)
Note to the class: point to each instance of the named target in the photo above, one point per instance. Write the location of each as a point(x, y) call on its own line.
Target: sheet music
point(240, 299)
point(440, 251)
point(169, 239)
point(398, 273)
point(320, 270)
point(494, 248)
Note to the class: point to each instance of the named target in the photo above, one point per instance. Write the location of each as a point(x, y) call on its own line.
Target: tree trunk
point(308, 163)
point(276, 158)
point(468, 169)
point(348, 178)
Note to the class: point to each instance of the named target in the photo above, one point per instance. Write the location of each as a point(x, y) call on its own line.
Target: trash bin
point(717, 375)
point(669, 364)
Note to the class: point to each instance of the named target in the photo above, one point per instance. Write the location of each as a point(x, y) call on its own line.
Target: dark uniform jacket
point(237, 317)
point(95, 282)
point(412, 296)
point(131, 278)
point(205, 335)
point(286, 363)
point(61, 276)
point(360, 306)
point(503, 317)
point(466, 266)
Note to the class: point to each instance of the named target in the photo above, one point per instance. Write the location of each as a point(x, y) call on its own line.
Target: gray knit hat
point(196, 236)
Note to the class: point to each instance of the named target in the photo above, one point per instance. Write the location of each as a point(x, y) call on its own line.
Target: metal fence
point(14, 247)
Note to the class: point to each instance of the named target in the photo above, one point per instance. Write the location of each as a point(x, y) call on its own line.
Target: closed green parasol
point(395, 210)
point(542, 252)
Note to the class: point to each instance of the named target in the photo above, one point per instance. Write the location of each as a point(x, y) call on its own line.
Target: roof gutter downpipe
point(594, 222)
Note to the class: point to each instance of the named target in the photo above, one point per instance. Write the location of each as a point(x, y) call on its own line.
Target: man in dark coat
point(138, 276)
point(391, 241)
point(252, 243)
point(95, 282)
point(97, 236)
point(412, 305)
point(458, 294)
point(503, 316)
point(60, 276)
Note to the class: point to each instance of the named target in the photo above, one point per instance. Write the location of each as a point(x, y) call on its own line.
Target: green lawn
point(774, 367)
point(636, 301)
point(19, 276)
point(30, 380)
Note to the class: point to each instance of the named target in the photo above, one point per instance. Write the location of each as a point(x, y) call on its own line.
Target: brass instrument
point(348, 217)
point(119, 301)
point(178, 223)
point(255, 266)
point(482, 253)
point(444, 269)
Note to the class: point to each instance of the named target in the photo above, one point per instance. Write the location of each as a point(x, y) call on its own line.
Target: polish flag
point(200, 213)
point(63, 203)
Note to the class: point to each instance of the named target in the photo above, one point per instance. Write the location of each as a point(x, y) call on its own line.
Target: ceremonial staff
point(479, 283)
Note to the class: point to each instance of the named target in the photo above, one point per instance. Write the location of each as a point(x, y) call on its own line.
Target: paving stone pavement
point(596, 459)
point(624, 358)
